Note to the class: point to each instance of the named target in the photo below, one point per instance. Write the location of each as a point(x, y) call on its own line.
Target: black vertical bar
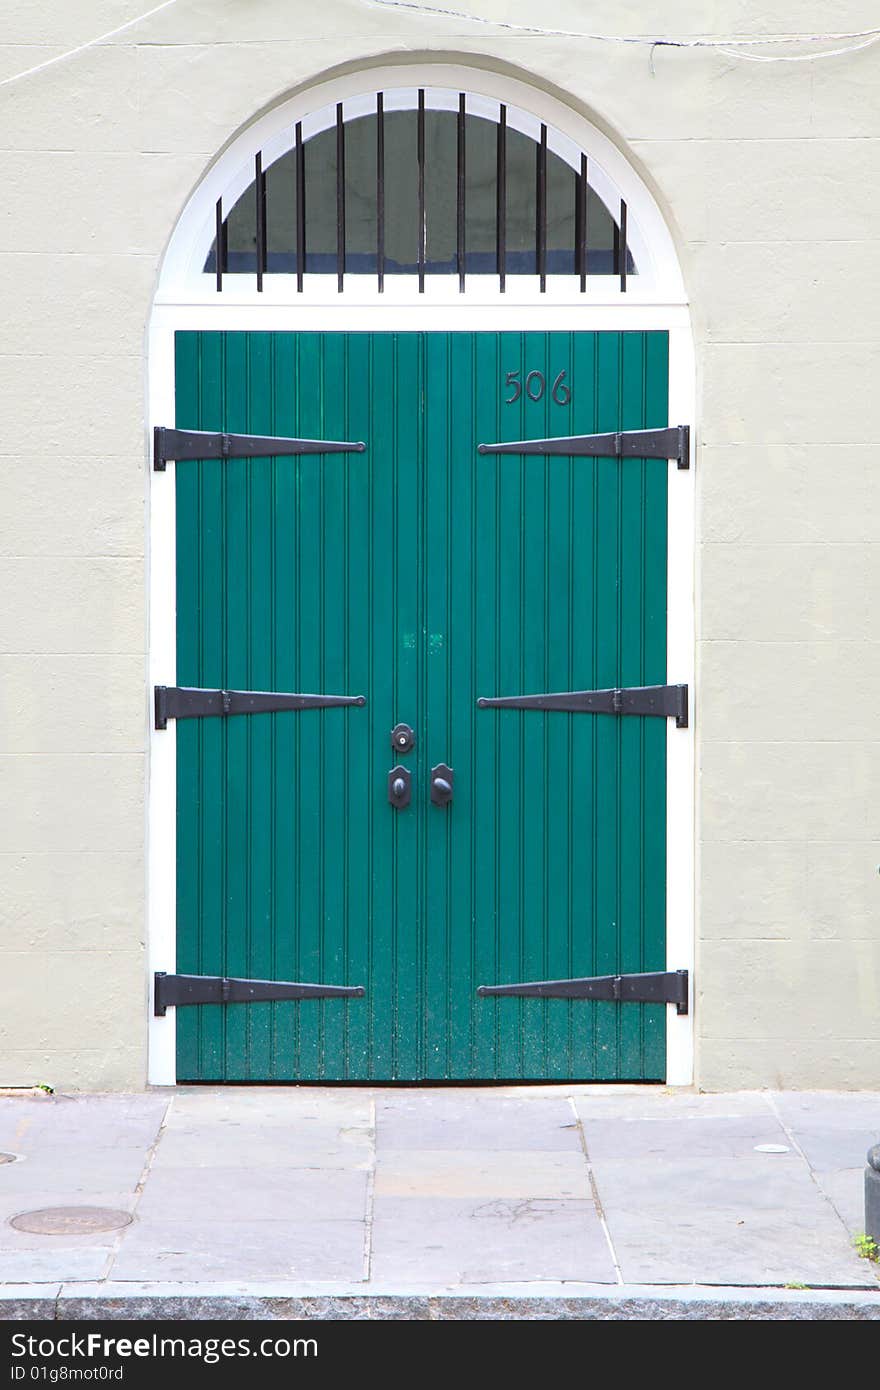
point(580, 222)
point(380, 190)
point(260, 192)
point(300, 208)
point(622, 245)
point(615, 267)
point(218, 243)
point(340, 198)
point(421, 157)
point(460, 248)
point(541, 210)
point(501, 200)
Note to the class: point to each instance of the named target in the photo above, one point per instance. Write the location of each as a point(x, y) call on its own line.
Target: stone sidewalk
point(383, 1191)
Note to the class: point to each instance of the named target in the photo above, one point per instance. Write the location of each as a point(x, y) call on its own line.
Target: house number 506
point(535, 386)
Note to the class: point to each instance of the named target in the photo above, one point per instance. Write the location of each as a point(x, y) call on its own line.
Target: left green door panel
point(420, 575)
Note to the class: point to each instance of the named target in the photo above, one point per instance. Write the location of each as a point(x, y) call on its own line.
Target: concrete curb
point(485, 1302)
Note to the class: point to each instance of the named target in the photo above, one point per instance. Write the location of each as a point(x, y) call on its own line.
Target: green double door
point(422, 576)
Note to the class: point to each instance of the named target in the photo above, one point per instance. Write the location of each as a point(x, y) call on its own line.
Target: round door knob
point(398, 786)
point(442, 779)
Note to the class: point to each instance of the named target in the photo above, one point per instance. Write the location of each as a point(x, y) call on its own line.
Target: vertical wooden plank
point(362, 778)
point(464, 1011)
point(510, 673)
point(258, 581)
point(335, 622)
point(562, 798)
point(440, 635)
point(538, 591)
point(236, 675)
point(634, 808)
point(384, 639)
point(308, 784)
point(585, 809)
point(606, 785)
point(485, 541)
point(409, 825)
point(654, 657)
point(283, 540)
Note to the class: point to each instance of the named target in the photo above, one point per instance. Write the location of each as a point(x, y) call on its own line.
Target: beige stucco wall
point(769, 175)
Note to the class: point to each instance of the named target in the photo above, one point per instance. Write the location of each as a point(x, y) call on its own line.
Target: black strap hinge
point(206, 444)
point(648, 987)
point(175, 991)
point(673, 442)
point(191, 702)
point(664, 701)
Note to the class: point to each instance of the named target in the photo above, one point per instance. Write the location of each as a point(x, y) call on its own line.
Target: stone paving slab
point(72, 1123)
point(845, 1190)
point(455, 1241)
point(467, 1119)
point(756, 1184)
point(480, 1173)
point(54, 1263)
point(207, 1251)
point(272, 1105)
point(460, 1186)
point(728, 1247)
point(677, 1139)
point(653, 1102)
point(260, 1196)
point(273, 1148)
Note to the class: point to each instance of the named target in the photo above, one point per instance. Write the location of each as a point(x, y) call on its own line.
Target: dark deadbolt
point(400, 787)
point(442, 779)
point(403, 740)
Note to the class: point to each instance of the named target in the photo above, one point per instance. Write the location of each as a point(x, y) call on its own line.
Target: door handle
point(442, 783)
point(400, 787)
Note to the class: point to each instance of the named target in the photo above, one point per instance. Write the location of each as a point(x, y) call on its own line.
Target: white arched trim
point(655, 299)
point(183, 280)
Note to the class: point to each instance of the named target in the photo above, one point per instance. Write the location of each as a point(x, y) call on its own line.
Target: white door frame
point(187, 299)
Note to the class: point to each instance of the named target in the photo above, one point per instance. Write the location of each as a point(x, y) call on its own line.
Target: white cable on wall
point(727, 45)
point(81, 48)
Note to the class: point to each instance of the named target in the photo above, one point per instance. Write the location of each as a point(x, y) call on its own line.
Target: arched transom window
point(422, 182)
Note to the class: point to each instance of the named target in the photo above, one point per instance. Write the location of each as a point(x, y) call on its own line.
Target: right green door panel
point(423, 576)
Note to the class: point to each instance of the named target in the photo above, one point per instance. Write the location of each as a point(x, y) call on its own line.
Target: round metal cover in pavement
point(70, 1221)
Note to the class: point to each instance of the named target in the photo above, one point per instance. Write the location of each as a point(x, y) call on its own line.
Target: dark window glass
point(241, 234)
point(281, 215)
point(481, 144)
point(402, 204)
point(441, 181)
point(320, 162)
point(601, 229)
point(401, 193)
point(561, 204)
point(521, 204)
point(360, 196)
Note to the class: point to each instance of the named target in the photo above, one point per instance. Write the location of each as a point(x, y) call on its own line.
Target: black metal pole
point(300, 208)
point(501, 200)
point(460, 248)
point(380, 190)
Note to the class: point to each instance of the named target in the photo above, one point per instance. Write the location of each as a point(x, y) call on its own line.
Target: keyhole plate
point(403, 740)
point(400, 787)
